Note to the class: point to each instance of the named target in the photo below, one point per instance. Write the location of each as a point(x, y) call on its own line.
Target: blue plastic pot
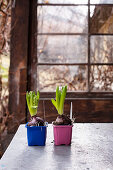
point(36, 135)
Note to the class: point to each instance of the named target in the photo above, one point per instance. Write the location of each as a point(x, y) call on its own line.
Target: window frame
point(75, 94)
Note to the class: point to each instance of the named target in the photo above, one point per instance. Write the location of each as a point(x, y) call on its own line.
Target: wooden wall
point(84, 110)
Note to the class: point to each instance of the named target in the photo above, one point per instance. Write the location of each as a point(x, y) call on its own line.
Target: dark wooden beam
point(18, 61)
point(32, 46)
point(74, 95)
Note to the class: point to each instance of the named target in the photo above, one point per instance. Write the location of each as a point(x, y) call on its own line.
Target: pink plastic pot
point(62, 134)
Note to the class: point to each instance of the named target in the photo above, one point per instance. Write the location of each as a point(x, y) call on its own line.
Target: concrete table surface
point(91, 149)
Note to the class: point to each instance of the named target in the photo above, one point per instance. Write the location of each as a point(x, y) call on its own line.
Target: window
point(75, 45)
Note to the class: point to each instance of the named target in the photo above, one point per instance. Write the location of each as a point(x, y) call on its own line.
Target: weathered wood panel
point(84, 110)
point(18, 61)
point(22, 94)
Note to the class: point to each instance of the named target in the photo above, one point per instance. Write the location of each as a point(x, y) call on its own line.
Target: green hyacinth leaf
point(32, 102)
point(57, 97)
point(54, 103)
point(38, 95)
point(62, 99)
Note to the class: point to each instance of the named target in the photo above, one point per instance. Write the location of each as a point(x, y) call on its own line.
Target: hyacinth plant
point(59, 105)
point(60, 98)
point(32, 103)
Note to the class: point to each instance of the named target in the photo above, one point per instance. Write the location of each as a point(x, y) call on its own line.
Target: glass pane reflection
point(50, 76)
point(62, 49)
point(62, 19)
point(101, 49)
point(63, 1)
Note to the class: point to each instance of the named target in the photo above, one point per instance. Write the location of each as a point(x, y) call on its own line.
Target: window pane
point(62, 49)
point(102, 49)
point(50, 76)
point(62, 19)
point(101, 1)
point(101, 78)
point(101, 20)
point(64, 1)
